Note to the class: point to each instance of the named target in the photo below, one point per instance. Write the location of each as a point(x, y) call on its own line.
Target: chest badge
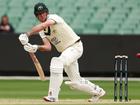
point(47, 32)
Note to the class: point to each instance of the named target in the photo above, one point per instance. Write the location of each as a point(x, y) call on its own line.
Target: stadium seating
point(84, 16)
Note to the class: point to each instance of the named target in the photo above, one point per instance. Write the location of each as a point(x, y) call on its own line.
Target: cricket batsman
point(55, 31)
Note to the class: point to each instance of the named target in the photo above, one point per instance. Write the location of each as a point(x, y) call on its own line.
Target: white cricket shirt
point(60, 34)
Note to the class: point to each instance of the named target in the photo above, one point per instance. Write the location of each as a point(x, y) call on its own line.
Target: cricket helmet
point(40, 8)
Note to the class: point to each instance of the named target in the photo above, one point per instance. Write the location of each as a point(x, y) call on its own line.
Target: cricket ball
point(138, 55)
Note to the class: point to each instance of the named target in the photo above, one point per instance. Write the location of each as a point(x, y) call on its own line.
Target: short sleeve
point(56, 18)
point(42, 35)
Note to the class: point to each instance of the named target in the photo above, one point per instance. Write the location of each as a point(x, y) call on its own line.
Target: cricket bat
point(38, 66)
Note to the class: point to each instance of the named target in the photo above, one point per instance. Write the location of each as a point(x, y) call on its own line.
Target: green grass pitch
point(36, 89)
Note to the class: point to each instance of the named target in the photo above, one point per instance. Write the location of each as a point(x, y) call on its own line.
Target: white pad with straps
point(84, 85)
point(56, 65)
point(56, 77)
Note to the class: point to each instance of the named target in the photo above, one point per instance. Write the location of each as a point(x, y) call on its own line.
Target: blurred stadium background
point(84, 16)
point(106, 27)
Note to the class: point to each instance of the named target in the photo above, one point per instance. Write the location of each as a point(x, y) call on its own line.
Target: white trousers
point(66, 61)
point(70, 59)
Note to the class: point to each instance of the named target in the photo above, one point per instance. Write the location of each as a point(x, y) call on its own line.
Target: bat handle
point(33, 56)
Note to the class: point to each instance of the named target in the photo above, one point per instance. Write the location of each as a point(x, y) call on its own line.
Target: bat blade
point(38, 66)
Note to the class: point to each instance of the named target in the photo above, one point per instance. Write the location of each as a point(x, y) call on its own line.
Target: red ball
point(138, 55)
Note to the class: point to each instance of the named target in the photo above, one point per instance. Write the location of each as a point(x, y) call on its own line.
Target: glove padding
point(30, 48)
point(23, 38)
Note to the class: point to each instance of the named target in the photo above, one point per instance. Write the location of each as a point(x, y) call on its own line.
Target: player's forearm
point(40, 27)
point(36, 29)
point(44, 48)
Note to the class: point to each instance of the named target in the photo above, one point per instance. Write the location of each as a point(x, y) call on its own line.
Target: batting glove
point(30, 48)
point(23, 38)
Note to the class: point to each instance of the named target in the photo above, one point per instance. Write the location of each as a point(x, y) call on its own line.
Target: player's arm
point(41, 26)
point(33, 48)
point(24, 37)
point(46, 46)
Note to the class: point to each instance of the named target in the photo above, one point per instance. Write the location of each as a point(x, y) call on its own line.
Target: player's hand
point(23, 38)
point(30, 48)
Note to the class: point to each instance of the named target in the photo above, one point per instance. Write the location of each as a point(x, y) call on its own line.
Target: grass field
point(30, 92)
